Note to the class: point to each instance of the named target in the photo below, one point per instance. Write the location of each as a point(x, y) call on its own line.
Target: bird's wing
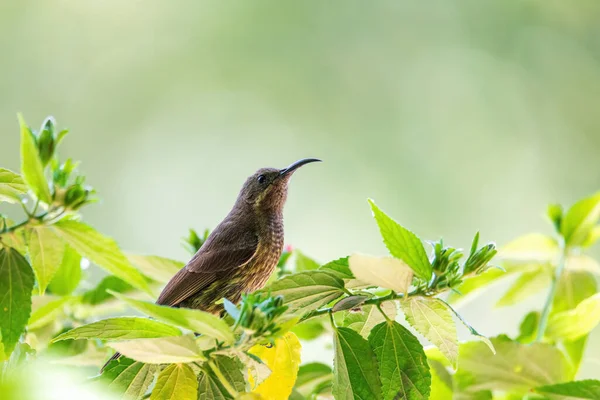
point(224, 252)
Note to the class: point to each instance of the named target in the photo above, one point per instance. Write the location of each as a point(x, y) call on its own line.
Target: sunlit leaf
point(304, 263)
point(515, 367)
point(573, 324)
point(45, 312)
point(586, 389)
point(46, 251)
point(158, 268)
point(16, 285)
point(308, 290)
point(68, 275)
point(211, 388)
point(433, 319)
point(580, 219)
point(403, 367)
point(31, 165)
point(194, 320)
point(164, 350)
point(386, 272)
point(11, 186)
point(340, 267)
point(573, 288)
point(441, 381)
point(363, 321)
point(528, 284)
point(176, 382)
point(530, 248)
point(101, 250)
point(104, 288)
point(283, 359)
point(355, 367)
point(120, 328)
point(402, 243)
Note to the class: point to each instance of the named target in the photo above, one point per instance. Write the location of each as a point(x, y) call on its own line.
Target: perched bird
point(241, 252)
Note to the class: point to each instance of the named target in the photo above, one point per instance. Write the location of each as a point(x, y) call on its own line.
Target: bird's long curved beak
point(296, 165)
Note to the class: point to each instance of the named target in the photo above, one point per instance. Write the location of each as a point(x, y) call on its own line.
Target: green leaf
point(441, 381)
point(385, 272)
point(11, 186)
point(176, 382)
point(304, 263)
point(515, 367)
point(475, 285)
point(311, 376)
point(573, 288)
point(129, 378)
point(194, 320)
point(16, 285)
point(164, 350)
point(586, 389)
point(580, 219)
point(310, 329)
point(402, 362)
point(68, 275)
point(209, 387)
point(529, 327)
point(308, 290)
point(100, 293)
point(402, 243)
point(45, 310)
point(101, 250)
point(433, 319)
point(158, 268)
point(573, 324)
point(340, 267)
point(355, 367)
point(120, 328)
point(575, 351)
point(555, 214)
point(528, 284)
point(364, 321)
point(31, 165)
point(46, 251)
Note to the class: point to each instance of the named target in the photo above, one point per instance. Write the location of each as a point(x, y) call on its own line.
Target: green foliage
point(50, 309)
point(16, 284)
point(355, 367)
point(402, 243)
point(402, 363)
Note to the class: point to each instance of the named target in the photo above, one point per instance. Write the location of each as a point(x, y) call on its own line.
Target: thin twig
point(552, 293)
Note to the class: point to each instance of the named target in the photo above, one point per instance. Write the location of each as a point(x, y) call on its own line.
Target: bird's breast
point(262, 265)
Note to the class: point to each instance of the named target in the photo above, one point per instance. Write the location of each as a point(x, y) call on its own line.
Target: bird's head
point(266, 189)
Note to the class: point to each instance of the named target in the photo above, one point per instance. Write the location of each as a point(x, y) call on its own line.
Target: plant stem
point(553, 286)
point(234, 393)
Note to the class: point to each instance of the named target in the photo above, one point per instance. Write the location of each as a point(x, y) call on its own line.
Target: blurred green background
point(454, 116)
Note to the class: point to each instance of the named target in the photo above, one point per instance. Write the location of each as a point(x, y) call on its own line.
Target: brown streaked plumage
point(241, 252)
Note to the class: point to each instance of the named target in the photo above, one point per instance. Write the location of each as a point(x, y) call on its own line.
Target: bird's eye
point(262, 179)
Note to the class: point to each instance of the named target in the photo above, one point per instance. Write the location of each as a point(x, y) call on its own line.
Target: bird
point(241, 253)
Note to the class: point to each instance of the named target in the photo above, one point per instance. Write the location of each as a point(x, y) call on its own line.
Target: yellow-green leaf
point(101, 250)
point(120, 328)
point(45, 310)
point(528, 284)
point(283, 359)
point(31, 165)
point(364, 320)
point(194, 320)
point(11, 186)
point(46, 252)
point(164, 350)
point(68, 275)
point(573, 324)
point(176, 382)
point(433, 319)
point(580, 219)
point(530, 248)
point(386, 272)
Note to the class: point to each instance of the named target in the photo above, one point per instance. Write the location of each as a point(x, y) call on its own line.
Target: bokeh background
point(455, 116)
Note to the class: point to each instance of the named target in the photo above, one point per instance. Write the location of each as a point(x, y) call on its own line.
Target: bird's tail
point(114, 357)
